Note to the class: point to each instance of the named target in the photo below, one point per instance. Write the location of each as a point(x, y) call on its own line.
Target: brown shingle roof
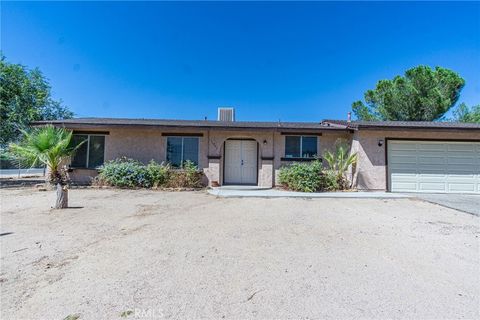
point(206, 124)
point(404, 124)
point(191, 123)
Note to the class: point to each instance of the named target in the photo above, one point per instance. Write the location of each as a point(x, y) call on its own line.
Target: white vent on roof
point(226, 114)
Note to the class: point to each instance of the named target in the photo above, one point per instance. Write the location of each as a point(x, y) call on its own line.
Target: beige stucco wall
point(82, 176)
point(371, 168)
point(148, 143)
point(264, 139)
point(143, 145)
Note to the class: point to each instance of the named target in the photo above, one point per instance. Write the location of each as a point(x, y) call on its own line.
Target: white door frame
point(256, 162)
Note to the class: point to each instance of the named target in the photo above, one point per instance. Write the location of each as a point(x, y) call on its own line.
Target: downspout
point(274, 160)
point(355, 148)
point(208, 143)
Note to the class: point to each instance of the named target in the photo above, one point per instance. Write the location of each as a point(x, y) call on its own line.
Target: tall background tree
point(422, 94)
point(465, 114)
point(25, 96)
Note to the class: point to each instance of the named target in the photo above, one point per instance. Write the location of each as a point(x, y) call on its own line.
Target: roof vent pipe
point(349, 117)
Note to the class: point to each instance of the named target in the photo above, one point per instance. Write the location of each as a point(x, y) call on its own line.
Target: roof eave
point(397, 128)
point(83, 125)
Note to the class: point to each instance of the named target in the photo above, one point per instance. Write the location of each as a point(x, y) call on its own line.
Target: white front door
point(434, 166)
point(240, 162)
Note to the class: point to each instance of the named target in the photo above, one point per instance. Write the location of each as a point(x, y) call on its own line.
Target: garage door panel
point(431, 178)
point(430, 153)
point(462, 180)
point(417, 166)
point(461, 177)
point(408, 153)
point(432, 187)
point(462, 169)
point(428, 169)
point(462, 154)
point(432, 175)
point(404, 170)
point(401, 169)
point(404, 177)
point(404, 186)
point(461, 187)
point(412, 153)
point(467, 171)
point(403, 159)
point(462, 160)
point(403, 147)
point(432, 160)
point(461, 147)
point(431, 147)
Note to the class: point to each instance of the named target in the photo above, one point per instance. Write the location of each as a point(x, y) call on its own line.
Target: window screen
point(96, 151)
point(300, 147)
point(181, 149)
point(309, 147)
point(174, 151)
point(79, 159)
point(91, 153)
point(292, 146)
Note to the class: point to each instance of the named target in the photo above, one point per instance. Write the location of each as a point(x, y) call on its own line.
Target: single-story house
point(393, 156)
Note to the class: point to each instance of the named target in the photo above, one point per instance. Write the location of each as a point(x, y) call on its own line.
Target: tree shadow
point(5, 234)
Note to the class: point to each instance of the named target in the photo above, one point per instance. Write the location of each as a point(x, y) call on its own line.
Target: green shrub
point(125, 173)
point(340, 160)
point(311, 177)
point(302, 176)
point(187, 177)
point(129, 173)
point(329, 181)
point(158, 174)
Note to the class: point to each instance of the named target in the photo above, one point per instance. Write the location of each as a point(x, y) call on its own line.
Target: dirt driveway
point(155, 255)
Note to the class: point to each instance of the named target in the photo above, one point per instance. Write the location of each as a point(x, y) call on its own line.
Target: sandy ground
point(155, 255)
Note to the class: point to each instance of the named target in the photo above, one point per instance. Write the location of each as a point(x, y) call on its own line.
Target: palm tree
point(52, 147)
point(340, 160)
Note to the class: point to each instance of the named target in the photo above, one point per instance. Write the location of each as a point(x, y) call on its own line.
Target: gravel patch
point(119, 254)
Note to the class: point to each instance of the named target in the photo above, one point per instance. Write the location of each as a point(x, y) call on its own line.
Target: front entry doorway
point(240, 162)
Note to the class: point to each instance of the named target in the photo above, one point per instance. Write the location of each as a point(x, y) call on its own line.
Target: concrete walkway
point(255, 192)
point(463, 202)
point(469, 203)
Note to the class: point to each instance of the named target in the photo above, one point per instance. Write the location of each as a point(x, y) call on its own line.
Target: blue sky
point(290, 61)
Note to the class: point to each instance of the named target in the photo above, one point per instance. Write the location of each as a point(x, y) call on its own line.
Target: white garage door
point(442, 167)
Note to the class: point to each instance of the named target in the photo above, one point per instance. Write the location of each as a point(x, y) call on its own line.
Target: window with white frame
point(91, 153)
point(181, 149)
point(301, 147)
